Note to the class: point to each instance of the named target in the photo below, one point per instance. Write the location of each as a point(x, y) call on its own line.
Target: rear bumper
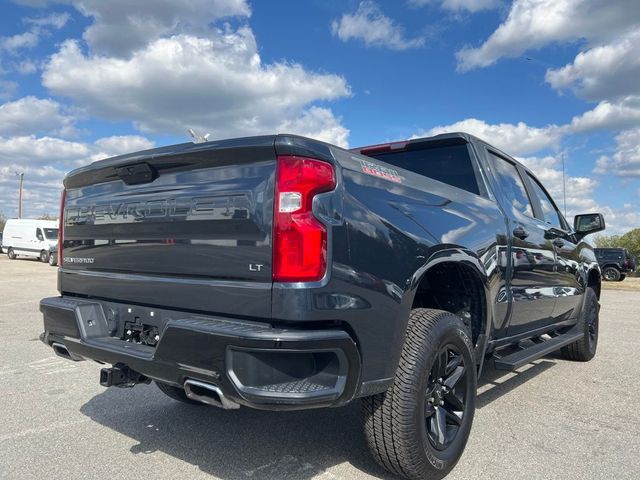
point(253, 364)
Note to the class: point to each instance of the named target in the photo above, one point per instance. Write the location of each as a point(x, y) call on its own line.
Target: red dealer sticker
point(380, 171)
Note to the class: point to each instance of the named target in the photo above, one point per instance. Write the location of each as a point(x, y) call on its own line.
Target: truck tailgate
point(187, 228)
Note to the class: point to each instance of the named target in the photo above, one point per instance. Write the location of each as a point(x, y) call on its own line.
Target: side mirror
point(588, 223)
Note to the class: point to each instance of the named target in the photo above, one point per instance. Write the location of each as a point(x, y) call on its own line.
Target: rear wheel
point(176, 393)
point(584, 349)
point(44, 256)
point(419, 427)
point(611, 274)
point(11, 254)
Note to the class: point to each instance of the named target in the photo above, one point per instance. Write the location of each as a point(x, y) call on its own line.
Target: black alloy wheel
point(445, 396)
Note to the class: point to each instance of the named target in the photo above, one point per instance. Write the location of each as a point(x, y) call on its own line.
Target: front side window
point(551, 215)
point(51, 233)
point(512, 185)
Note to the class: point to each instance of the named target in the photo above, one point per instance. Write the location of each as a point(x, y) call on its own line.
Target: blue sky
point(542, 79)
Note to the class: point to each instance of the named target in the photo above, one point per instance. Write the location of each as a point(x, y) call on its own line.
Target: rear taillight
point(299, 239)
point(63, 196)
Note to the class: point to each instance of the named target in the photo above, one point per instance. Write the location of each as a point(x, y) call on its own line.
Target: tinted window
point(51, 233)
point(549, 211)
point(39, 234)
point(449, 164)
point(512, 185)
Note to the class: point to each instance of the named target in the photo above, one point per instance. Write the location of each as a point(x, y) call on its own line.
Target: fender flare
point(468, 258)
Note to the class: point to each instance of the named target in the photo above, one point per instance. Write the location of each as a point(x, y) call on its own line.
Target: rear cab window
point(450, 164)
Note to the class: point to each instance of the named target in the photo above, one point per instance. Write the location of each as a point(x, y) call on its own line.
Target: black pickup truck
point(616, 263)
point(280, 272)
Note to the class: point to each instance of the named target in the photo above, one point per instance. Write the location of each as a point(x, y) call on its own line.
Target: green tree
point(606, 241)
point(631, 241)
point(3, 220)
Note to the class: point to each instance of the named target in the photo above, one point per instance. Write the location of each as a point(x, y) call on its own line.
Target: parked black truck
point(616, 263)
point(279, 272)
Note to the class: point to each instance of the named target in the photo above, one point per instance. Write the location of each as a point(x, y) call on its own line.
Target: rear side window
point(512, 185)
point(448, 164)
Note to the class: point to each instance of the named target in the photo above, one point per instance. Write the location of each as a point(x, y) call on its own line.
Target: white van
point(30, 238)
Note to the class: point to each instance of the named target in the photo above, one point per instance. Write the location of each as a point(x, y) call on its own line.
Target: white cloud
point(41, 191)
point(54, 20)
point(579, 190)
point(514, 139)
point(620, 220)
point(532, 24)
point(318, 123)
point(30, 39)
point(118, 145)
point(26, 67)
point(581, 195)
point(375, 29)
point(44, 162)
point(31, 115)
point(217, 85)
point(459, 5)
point(608, 116)
point(7, 89)
point(607, 71)
point(19, 41)
point(625, 162)
point(29, 150)
point(121, 27)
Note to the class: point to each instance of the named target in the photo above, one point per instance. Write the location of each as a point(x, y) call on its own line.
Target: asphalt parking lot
point(552, 419)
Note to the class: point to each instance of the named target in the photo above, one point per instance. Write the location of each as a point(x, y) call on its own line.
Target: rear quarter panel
point(393, 230)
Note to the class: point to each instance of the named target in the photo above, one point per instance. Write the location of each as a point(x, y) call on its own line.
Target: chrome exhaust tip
point(62, 351)
point(209, 394)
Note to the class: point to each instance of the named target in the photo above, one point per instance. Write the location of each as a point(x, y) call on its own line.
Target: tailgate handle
point(136, 173)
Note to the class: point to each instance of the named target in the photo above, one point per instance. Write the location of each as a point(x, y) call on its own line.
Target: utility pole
point(564, 188)
point(21, 175)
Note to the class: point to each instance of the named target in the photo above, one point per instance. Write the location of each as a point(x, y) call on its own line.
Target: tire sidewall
point(11, 254)
point(451, 332)
point(591, 309)
point(615, 276)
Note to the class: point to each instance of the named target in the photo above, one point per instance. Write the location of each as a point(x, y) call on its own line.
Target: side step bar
point(527, 355)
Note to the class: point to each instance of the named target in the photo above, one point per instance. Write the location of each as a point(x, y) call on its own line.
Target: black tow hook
point(121, 376)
